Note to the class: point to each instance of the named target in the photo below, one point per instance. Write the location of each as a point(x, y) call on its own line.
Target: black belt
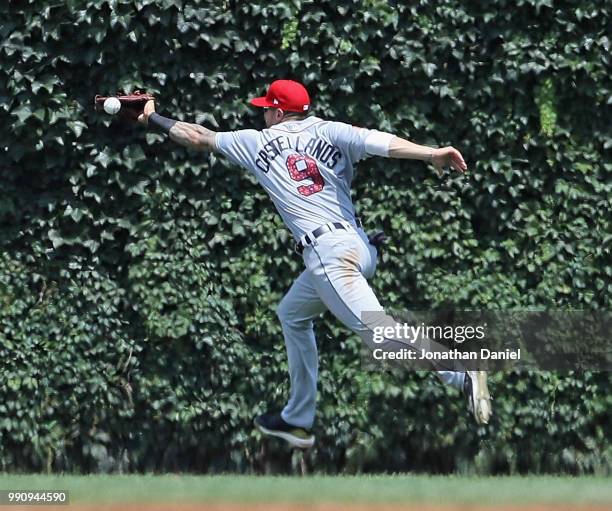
point(319, 231)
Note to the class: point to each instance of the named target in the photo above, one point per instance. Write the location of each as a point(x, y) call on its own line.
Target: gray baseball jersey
point(305, 166)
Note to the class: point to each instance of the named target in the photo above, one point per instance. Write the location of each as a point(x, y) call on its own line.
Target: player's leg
point(339, 265)
point(296, 312)
point(452, 378)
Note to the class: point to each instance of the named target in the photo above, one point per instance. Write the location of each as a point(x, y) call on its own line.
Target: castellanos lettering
point(324, 152)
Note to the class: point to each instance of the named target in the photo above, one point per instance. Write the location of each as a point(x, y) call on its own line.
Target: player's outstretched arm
point(440, 158)
point(193, 136)
point(186, 134)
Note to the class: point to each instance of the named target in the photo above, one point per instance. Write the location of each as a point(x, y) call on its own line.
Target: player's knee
point(286, 313)
point(282, 311)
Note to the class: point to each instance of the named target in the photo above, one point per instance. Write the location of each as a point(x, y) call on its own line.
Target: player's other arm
point(378, 143)
point(439, 157)
point(186, 134)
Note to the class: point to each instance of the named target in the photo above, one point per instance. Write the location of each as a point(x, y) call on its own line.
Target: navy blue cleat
point(273, 424)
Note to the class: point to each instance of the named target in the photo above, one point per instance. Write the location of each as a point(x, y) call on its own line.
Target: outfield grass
point(319, 489)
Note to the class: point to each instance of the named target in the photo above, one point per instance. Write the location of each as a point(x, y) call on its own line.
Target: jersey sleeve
point(350, 139)
point(238, 146)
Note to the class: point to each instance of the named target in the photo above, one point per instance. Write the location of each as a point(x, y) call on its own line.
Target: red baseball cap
point(285, 94)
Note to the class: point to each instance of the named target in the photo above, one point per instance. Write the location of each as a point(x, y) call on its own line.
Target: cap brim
point(262, 101)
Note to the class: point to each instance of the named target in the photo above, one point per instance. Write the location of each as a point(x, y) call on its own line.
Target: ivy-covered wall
point(138, 280)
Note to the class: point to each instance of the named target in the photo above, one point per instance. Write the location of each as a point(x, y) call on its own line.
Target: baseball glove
point(377, 239)
point(132, 105)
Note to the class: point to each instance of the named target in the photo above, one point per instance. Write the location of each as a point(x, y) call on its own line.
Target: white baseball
point(112, 106)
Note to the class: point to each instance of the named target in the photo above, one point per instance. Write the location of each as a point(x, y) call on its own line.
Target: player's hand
point(448, 157)
point(148, 109)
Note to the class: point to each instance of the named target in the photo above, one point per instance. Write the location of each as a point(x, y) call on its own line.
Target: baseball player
point(306, 165)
